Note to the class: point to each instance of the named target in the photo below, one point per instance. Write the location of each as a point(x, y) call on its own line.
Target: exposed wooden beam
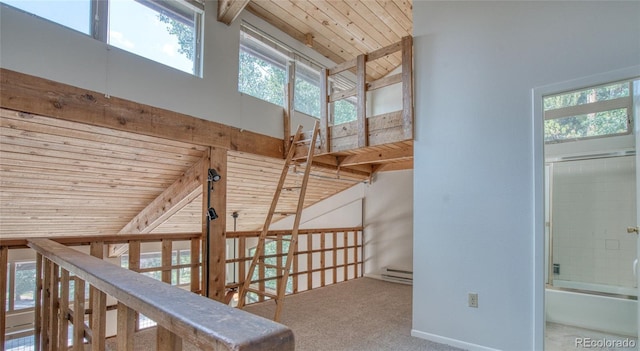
point(179, 194)
point(361, 111)
point(395, 166)
point(214, 231)
point(26, 93)
point(407, 87)
point(382, 156)
point(228, 10)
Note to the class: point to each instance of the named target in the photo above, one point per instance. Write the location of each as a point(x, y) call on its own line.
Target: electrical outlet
point(473, 300)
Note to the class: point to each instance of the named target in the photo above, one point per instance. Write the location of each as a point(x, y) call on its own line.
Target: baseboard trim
point(449, 341)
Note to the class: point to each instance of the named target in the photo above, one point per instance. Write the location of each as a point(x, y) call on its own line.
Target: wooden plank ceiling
point(341, 30)
point(61, 178)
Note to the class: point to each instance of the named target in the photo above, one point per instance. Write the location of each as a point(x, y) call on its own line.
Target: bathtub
point(613, 315)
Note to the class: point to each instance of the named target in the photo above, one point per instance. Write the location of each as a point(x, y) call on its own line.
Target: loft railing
point(24, 323)
point(365, 130)
point(322, 257)
point(180, 314)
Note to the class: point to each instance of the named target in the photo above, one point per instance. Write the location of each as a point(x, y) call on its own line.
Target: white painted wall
point(384, 208)
point(44, 49)
point(478, 164)
point(388, 217)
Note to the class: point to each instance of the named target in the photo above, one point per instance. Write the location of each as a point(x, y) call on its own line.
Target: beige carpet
point(362, 314)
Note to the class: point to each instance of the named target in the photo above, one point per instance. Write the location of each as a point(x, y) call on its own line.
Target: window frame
point(295, 59)
point(625, 102)
point(99, 24)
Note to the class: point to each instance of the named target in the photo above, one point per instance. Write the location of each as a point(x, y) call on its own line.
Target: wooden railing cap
point(206, 323)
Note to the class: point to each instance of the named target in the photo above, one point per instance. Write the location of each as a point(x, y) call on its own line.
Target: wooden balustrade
point(320, 252)
point(180, 314)
point(43, 322)
point(319, 261)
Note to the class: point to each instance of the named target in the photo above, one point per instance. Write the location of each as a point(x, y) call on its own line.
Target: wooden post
point(346, 256)
point(78, 315)
point(96, 249)
point(361, 87)
point(322, 254)
point(126, 327)
point(63, 338)
point(407, 87)
point(309, 261)
point(355, 254)
point(53, 334)
point(166, 260)
point(98, 303)
point(214, 231)
point(242, 265)
point(98, 320)
point(296, 265)
point(167, 340)
point(325, 137)
point(195, 260)
point(38, 334)
point(335, 257)
point(4, 260)
point(134, 265)
point(46, 306)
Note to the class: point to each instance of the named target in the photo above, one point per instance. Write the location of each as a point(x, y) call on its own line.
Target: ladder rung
point(303, 141)
point(260, 292)
point(268, 265)
point(267, 279)
point(284, 213)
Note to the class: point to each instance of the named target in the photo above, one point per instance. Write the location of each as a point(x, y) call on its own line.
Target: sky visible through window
point(132, 27)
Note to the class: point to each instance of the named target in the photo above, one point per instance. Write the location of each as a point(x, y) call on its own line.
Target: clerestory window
point(168, 32)
point(266, 66)
point(599, 111)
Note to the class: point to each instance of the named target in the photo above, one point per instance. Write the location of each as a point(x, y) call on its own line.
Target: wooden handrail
point(204, 322)
point(17, 243)
point(252, 233)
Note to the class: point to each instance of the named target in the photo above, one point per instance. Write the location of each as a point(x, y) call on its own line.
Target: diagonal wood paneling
point(61, 178)
point(65, 178)
point(251, 182)
point(341, 30)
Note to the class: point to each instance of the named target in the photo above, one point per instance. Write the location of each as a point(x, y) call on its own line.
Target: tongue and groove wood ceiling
point(63, 178)
point(340, 30)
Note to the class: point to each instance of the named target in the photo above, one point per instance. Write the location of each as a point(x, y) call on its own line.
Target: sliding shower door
point(593, 201)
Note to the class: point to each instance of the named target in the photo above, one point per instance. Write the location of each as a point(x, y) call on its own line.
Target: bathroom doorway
point(590, 201)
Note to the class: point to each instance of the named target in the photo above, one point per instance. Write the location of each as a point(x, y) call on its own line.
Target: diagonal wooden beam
point(383, 156)
point(173, 199)
point(228, 10)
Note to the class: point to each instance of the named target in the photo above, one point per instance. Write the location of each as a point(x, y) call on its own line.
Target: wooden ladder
point(282, 270)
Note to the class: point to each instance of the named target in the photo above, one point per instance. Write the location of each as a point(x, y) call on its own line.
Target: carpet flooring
point(358, 315)
point(364, 315)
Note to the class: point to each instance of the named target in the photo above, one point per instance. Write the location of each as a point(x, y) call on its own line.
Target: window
point(604, 110)
point(265, 68)
point(262, 68)
point(271, 249)
point(167, 32)
point(73, 14)
point(307, 90)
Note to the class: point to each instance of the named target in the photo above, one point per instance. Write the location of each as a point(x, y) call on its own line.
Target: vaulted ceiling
point(340, 30)
point(61, 178)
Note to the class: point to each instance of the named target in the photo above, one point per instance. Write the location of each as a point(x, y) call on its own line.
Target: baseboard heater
point(397, 275)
